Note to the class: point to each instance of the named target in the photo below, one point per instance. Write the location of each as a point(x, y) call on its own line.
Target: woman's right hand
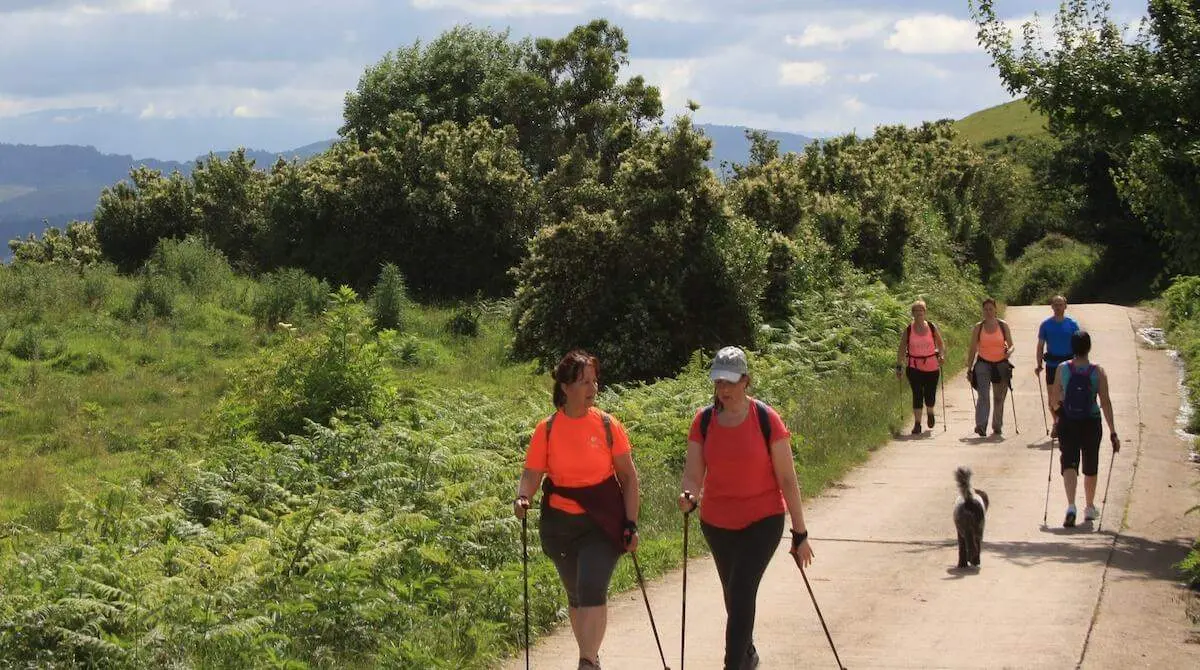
point(521, 506)
point(687, 502)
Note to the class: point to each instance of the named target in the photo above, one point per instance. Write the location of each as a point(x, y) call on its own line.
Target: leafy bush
point(288, 295)
point(311, 379)
point(388, 298)
point(75, 247)
point(1055, 265)
point(154, 297)
point(1182, 300)
point(33, 344)
point(465, 321)
point(195, 265)
point(82, 362)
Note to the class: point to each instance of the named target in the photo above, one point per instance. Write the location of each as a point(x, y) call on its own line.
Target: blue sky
point(172, 79)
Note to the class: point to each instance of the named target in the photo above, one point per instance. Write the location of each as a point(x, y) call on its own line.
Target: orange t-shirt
point(992, 346)
point(578, 454)
point(739, 479)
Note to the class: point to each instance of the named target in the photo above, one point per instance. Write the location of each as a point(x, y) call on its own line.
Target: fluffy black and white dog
point(969, 512)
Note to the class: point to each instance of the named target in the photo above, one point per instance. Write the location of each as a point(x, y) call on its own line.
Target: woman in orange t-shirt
point(744, 480)
point(581, 458)
point(988, 368)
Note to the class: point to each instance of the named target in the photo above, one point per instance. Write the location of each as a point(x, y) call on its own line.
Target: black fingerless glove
point(798, 539)
point(631, 529)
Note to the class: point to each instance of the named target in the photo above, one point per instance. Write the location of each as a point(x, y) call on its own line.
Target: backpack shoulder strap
point(706, 416)
point(764, 421)
point(932, 328)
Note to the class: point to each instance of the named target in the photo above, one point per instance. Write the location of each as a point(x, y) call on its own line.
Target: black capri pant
point(741, 557)
point(1080, 439)
point(583, 555)
point(924, 386)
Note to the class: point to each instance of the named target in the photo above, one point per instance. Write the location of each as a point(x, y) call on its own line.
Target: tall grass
point(1181, 309)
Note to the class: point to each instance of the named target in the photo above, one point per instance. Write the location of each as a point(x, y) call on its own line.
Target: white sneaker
point(1091, 513)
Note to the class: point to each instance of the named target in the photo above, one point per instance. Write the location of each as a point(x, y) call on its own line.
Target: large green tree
point(664, 270)
point(553, 91)
point(1131, 102)
point(452, 206)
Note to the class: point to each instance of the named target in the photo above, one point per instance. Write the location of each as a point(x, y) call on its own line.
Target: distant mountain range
point(57, 184)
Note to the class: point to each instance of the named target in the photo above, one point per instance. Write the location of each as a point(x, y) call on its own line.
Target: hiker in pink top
point(920, 356)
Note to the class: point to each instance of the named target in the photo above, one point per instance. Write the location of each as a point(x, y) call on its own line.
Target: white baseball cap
point(729, 364)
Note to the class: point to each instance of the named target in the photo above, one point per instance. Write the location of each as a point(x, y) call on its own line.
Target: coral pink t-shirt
point(739, 480)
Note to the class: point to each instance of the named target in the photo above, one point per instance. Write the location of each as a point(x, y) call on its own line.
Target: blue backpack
point(1079, 397)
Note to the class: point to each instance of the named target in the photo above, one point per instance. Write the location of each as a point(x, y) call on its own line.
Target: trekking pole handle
point(691, 499)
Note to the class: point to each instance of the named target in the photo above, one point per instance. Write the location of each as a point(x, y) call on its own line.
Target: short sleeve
point(621, 443)
point(779, 431)
point(694, 433)
point(1042, 331)
point(537, 456)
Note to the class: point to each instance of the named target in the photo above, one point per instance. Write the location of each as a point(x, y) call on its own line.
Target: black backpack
point(764, 422)
point(1079, 394)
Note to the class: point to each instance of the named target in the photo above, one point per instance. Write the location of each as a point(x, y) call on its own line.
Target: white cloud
point(818, 35)
point(194, 101)
point(504, 7)
point(681, 11)
point(861, 78)
point(853, 105)
point(803, 73)
point(672, 76)
point(933, 34)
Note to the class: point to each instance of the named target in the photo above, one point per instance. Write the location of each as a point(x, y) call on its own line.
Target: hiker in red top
point(920, 357)
point(739, 472)
point(581, 458)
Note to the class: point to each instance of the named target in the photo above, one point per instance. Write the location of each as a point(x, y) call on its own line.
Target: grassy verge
point(1182, 314)
point(386, 538)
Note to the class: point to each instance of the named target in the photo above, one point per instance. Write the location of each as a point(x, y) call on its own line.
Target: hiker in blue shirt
point(1054, 349)
point(1083, 388)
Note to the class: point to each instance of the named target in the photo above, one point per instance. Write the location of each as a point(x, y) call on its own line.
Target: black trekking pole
point(1042, 398)
point(1104, 503)
point(525, 572)
point(637, 569)
point(1049, 474)
point(942, 379)
point(687, 518)
point(1013, 396)
point(819, 616)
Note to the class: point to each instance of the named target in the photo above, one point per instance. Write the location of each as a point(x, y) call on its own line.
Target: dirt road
point(1045, 597)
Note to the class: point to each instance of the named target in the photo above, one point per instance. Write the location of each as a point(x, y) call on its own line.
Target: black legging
point(742, 557)
point(924, 386)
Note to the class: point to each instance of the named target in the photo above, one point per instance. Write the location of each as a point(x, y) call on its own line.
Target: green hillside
point(1014, 118)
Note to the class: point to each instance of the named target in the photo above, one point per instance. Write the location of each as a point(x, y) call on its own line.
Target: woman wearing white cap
point(740, 474)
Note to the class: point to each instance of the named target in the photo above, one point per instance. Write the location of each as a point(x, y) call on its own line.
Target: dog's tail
point(962, 475)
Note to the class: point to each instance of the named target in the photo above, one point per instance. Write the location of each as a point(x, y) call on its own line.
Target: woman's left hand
point(631, 541)
point(801, 551)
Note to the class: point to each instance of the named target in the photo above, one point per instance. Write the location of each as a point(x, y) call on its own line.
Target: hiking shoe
point(997, 432)
point(1090, 513)
point(585, 664)
point(751, 661)
point(1054, 431)
point(916, 429)
point(981, 431)
point(929, 419)
point(1070, 520)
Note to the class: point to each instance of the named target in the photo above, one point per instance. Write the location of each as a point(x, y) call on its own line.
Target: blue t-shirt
point(1057, 335)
